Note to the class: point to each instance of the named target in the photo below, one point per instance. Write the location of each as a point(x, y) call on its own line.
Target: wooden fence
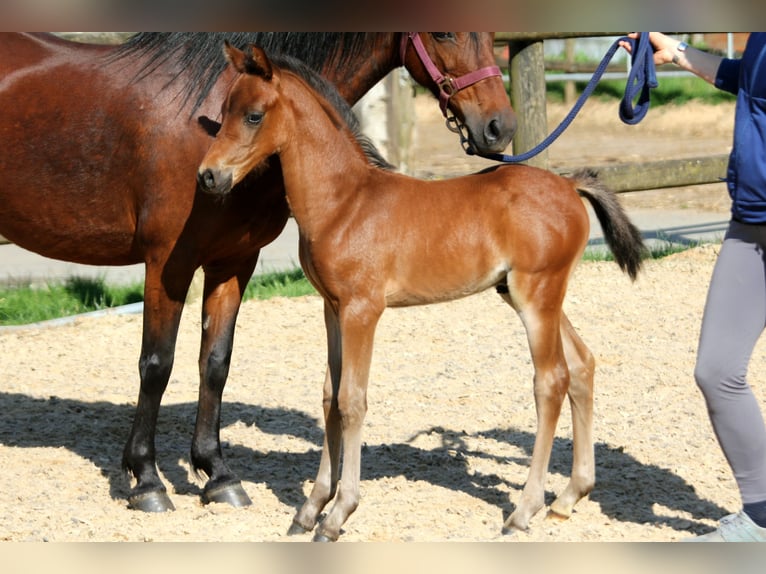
point(526, 69)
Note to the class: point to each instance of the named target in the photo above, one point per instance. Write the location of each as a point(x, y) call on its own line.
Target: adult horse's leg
point(260, 210)
point(162, 313)
point(326, 481)
point(221, 302)
point(581, 369)
point(538, 298)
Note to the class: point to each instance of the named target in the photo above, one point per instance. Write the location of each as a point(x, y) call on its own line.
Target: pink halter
point(448, 86)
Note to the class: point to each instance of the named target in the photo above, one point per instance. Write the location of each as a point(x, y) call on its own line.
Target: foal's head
point(252, 107)
point(258, 117)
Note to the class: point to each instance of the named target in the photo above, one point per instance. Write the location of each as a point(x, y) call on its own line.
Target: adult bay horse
point(100, 150)
point(371, 239)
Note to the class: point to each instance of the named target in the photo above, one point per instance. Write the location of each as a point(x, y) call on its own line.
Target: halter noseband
point(448, 85)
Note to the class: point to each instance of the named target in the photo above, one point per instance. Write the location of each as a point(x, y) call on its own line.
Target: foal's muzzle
point(214, 181)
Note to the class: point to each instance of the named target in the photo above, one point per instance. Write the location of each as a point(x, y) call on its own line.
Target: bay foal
point(371, 239)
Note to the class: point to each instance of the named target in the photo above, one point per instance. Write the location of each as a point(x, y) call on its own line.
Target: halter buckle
point(447, 86)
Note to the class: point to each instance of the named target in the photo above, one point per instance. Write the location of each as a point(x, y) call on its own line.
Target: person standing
point(735, 311)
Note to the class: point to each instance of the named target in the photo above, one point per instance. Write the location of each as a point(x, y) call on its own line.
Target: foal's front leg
point(358, 321)
point(350, 335)
point(329, 466)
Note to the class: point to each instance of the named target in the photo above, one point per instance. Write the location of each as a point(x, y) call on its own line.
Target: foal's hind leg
point(581, 369)
point(538, 299)
point(221, 302)
point(162, 313)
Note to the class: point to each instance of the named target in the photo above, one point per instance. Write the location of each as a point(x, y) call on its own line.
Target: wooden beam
point(661, 174)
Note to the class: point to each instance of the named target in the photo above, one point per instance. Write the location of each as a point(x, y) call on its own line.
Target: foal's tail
point(623, 238)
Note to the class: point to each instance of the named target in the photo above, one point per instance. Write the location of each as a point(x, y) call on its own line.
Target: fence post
point(570, 89)
point(386, 116)
point(528, 97)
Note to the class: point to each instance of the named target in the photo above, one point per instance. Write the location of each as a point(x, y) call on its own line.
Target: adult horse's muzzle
point(214, 181)
point(491, 136)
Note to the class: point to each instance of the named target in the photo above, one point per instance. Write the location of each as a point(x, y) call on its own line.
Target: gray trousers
point(734, 318)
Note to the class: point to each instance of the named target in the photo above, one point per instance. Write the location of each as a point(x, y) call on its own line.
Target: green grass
point(673, 90)
point(24, 305)
point(657, 251)
point(292, 283)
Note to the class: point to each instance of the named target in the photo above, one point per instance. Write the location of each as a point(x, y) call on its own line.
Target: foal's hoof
point(319, 537)
point(231, 493)
point(151, 501)
point(509, 529)
point(296, 529)
point(557, 516)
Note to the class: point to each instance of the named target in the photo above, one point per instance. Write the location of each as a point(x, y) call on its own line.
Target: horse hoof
point(510, 530)
point(319, 537)
point(232, 494)
point(553, 515)
point(296, 529)
point(151, 501)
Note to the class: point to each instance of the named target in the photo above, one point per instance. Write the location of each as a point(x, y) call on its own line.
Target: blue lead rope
point(641, 79)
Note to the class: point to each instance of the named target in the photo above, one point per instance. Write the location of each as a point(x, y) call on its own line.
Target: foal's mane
point(199, 61)
point(333, 104)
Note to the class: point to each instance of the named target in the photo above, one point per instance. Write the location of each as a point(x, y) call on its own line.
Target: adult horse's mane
point(199, 61)
point(199, 55)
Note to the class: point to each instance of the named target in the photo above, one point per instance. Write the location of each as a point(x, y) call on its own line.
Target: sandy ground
point(451, 416)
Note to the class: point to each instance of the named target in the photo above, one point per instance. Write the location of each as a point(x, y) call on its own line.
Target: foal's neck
point(324, 167)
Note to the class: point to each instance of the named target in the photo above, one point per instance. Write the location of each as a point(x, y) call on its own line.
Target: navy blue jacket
point(746, 174)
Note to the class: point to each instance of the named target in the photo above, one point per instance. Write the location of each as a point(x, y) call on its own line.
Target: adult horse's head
point(460, 69)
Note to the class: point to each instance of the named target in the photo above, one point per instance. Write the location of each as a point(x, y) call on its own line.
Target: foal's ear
point(234, 56)
point(258, 63)
point(255, 62)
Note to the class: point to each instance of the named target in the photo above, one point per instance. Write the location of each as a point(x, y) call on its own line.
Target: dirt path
point(451, 417)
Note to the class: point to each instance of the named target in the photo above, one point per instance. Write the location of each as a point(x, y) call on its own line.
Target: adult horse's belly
point(80, 161)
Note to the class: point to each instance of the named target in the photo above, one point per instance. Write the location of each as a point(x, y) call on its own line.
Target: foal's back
point(411, 241)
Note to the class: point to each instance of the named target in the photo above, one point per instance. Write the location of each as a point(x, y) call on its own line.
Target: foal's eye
point(442, 36)
point(253, 118)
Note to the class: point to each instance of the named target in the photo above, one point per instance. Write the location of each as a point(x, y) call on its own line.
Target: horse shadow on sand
point(627, 489)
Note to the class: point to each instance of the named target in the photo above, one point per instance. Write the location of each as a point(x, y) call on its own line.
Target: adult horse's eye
point(441, 36)
point(253, 118)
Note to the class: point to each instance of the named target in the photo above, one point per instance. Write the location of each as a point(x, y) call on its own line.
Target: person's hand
point(664, 46)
